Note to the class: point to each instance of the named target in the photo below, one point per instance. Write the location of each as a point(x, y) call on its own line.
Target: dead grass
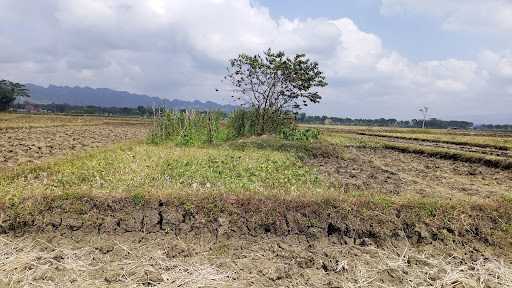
point(475, 141)
point(50, 261)
point(28, 263)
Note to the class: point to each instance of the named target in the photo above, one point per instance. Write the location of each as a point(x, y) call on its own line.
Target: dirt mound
point(360, 221)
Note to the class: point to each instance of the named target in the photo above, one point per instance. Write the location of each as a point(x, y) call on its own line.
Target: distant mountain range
point(104, 97)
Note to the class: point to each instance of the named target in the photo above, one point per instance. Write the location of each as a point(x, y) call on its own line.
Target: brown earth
point(250, 243)
point(394, 173)
point(33, 145)
point(350, 221)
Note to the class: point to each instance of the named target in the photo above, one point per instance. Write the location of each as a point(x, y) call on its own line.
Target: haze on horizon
point(383, 58)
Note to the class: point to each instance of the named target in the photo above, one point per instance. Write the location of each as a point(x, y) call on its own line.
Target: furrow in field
point(466, 147)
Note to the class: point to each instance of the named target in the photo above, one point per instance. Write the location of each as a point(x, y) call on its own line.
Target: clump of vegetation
point(244, 122)
point(196, 128)
point(189, 128)
point(272, 87)
point(295, 134)
point(141, 171)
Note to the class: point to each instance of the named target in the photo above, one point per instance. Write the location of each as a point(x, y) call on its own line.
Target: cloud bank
point(179, 49)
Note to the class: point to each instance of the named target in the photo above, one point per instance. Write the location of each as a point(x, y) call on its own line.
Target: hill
point(105, 97)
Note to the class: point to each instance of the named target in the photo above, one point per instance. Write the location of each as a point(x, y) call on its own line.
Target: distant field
point(494, 142)
point(494, 150)
point(14, 121)
point(415, 131)
point(354, 207)
point(34, 138)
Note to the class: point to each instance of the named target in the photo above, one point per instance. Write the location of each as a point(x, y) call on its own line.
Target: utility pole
point(424, 111)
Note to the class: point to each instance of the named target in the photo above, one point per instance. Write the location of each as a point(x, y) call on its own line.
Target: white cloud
point(179, 48)
point(498, 64)
point(465, 15)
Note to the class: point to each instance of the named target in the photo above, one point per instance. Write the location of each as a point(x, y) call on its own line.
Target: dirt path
point(160, 260)
point(395, 173)
point(32, 145)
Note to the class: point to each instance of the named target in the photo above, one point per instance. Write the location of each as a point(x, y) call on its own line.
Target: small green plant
point(508, 197)
point(429, 207)
point(138, 198)
point(384, 201)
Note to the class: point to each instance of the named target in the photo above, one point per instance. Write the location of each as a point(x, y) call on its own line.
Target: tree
point(9, 91)
point(274, 84)
point(141, 110)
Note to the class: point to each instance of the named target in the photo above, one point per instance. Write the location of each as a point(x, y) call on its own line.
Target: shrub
point(295, 134)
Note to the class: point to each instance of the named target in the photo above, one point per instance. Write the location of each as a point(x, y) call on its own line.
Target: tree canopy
point(274, 84)
point(9, 91)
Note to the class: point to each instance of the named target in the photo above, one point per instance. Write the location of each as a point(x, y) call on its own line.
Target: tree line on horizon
point(382, 122)
point(302, 118)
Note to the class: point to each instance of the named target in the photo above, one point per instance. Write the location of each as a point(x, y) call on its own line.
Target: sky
point(382, 58)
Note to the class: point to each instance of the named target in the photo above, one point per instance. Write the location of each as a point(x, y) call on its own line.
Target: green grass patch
point(139, 170)
point(238, 171)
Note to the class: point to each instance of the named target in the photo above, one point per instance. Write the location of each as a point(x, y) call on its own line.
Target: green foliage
point(382, 122)
point(189, 128)
point(294, 134)
point(508, 198)
point(138, 198)
point(274, 85)
point(9, 91)
point(247, 122)
point(384, 201)
point(237, 171)
point(243, 123)
point(429, 207)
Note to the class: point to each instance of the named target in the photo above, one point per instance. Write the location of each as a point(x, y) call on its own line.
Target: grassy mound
point(248, 187)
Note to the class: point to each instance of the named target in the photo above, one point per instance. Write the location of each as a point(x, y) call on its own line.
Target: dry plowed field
point(395, 173)
point(33, 142)
point(348, 210)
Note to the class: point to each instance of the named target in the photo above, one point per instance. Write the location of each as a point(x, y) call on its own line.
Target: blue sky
point(382, 58)
point(415, 35)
